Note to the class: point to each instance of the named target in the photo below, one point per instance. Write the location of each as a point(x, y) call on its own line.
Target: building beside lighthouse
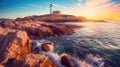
point(56, 12)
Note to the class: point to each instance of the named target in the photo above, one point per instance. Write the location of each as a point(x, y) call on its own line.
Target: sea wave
point(89, 61)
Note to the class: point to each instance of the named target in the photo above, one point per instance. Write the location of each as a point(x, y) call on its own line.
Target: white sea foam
point(89, 61)
point(38, 43)
point(98, 37)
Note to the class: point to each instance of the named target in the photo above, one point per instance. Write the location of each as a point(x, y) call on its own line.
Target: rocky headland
point(22, 44)
point(54, 18)
point(16, 50)
point(39, 29)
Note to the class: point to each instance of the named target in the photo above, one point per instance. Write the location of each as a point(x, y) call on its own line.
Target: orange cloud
point(98, 9)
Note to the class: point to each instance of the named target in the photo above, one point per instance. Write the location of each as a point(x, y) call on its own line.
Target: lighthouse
point(51, 8)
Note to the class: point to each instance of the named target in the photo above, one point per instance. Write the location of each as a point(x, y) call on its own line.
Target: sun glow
point(89, 13)
point(97, 9)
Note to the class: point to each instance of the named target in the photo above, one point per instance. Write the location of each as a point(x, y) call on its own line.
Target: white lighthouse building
point(51, 8)
point(56, 12)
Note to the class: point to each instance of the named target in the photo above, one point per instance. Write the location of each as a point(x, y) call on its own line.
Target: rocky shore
point(39, 29)
point(16, 50)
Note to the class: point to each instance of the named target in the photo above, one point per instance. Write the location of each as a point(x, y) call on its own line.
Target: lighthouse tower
point(51, 8)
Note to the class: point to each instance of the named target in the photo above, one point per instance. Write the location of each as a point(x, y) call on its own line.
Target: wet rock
point(36, 50)
point(65, 60)
point(47, 46)
point(39, 46)
point(36, 60)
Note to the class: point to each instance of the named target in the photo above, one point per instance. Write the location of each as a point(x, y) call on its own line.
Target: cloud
point(79, 0)
point(101, 3)
point(56, 5)
point(94, 8)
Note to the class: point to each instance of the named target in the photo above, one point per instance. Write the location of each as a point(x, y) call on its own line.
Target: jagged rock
point(7, 24)
point(60, 30)
point(37, 29)
point(45, 31)
point(47, 46)
point(39, 32)
point(65, 60)
point(15, 51)
point(14, 47)
point(36, 60)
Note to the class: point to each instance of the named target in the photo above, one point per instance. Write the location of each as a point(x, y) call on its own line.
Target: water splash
point(89, 61)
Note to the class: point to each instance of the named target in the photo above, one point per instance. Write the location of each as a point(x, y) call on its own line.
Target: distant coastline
point(54, 18)
point(57, 18)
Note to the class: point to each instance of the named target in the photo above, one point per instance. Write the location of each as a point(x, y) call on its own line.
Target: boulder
point(39, 32)
point(15, 51)
point(39, 46)
point(47, 46)
point(14, 47)
point(36, 60)
point(60, 29)
point(65, 60)
point(45, 31)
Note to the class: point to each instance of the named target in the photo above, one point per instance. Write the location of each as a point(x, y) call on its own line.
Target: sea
point(97, 44)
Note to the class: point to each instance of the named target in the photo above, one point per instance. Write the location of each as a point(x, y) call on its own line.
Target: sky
point(91, 9)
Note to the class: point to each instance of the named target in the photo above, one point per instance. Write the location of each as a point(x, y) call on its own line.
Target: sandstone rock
point(54, 18)
point(7, 24)
point(36, 60)
point(14, 47)
point(39, 32)
point(47, 47)
point(65, 60)
point(38, 29)
point(15, 51)
point(45, 31)
point(60, 30)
